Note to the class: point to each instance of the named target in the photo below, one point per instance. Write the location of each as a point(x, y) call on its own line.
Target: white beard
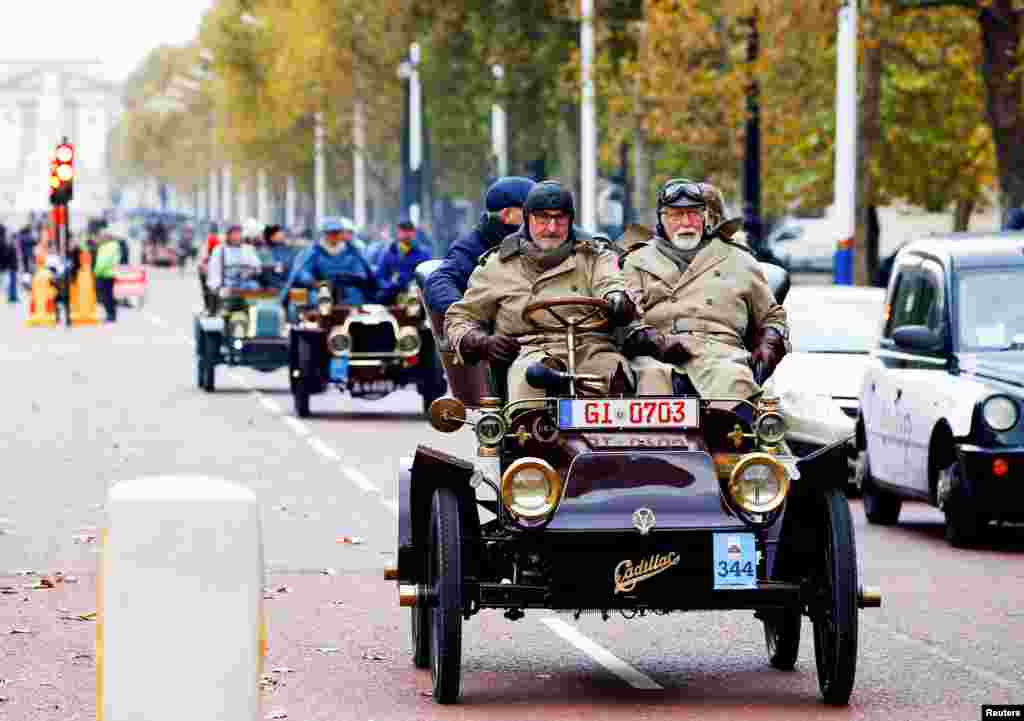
point(686, 241)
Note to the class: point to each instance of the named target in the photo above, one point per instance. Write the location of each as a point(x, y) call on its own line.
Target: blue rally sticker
point(735, 564)
point(339, 369)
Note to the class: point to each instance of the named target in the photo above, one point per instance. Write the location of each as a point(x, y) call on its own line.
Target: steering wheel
point(593, 313)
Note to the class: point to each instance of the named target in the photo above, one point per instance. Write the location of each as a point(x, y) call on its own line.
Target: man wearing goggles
point(708, 309)
point(545, 258)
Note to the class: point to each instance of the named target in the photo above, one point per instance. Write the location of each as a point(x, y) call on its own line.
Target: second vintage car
point(941, 402)
point(367, 350)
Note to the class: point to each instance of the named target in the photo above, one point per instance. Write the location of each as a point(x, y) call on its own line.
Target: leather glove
point(768, 352)
point(621, 310)
point(477, 345)
point(674, 351)
point(644, 341)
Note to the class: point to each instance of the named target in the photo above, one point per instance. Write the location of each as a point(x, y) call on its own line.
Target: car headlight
point(408, 341)
point(338, 342)
point(1000, 413)
point(770, 428)
point(490, 429)
point(531, 488)
point(758, 483)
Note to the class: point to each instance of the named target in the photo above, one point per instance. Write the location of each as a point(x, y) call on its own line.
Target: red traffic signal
point(62, 174)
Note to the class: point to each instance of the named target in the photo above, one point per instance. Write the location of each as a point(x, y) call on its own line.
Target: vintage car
point(368, 350)
point(627, 504)
point(242, 328)
point(941, 401)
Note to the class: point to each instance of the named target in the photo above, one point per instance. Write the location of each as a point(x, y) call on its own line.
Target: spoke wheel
point(420, 626)
point(445, 581)
point(835, 604)
point(300, 391)
point(782, 637)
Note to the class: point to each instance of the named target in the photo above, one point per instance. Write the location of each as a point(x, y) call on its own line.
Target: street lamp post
point(320, 170)
point(844, 201)
point(499, 128)
point(588, 122)
point(752, 158)
point(408, 70)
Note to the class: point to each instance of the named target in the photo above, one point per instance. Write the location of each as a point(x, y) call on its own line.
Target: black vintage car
point(942, 399)
point(627, 504)
point(368, 350)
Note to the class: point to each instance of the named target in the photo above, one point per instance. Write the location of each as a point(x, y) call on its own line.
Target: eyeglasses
point(545, 219)
point(681, 213)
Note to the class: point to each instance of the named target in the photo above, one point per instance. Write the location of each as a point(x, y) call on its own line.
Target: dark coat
point(448, 283)
point(396, 271)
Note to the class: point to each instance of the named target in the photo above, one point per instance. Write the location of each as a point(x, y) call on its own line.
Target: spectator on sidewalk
point(108, 253)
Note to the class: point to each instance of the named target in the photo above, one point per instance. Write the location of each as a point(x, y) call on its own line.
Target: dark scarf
point(682, 258)
point(545, 260)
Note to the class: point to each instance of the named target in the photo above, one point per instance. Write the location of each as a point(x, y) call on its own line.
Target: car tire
point(420, 628)
point(444, 574)
point(301, 403)
point(835, 607)
point(963, 523)
point(782, 637)
point(880, 507)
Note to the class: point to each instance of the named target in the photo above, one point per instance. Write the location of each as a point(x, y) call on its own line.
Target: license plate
point(735, 563)
point(629, 413)
point(339, 369)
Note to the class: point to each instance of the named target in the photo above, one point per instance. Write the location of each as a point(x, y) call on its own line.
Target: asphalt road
point(87, 407)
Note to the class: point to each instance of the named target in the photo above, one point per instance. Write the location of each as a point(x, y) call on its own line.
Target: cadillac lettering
point(627, 575)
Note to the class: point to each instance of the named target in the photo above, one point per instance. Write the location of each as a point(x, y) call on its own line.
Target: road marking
point(391, 505)
point(296, 425)
point(934, 650)
point(359, 479)
point(268, 403)
point(610, 661)
point(323, 449)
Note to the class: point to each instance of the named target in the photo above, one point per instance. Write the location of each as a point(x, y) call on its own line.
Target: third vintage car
point(624, 505)
point(941, 402)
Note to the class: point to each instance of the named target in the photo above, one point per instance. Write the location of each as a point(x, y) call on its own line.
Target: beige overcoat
point(505, 283)
point(713, 305)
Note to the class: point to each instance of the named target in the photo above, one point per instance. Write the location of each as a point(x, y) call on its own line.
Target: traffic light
point(62, 174)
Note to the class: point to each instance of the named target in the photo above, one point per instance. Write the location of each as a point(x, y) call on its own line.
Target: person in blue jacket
point(397, 266)
point(503, 216)
point(334, 259)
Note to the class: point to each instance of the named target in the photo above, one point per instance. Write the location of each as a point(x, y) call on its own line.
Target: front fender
point(418, 478)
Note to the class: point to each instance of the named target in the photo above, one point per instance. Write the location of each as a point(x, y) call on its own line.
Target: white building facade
point(41, 103)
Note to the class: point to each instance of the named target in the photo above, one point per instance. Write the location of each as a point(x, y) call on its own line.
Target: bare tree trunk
point(1001, 30)
point(962, 215)
point(865, 255)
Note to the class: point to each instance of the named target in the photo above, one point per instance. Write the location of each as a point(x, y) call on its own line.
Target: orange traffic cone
point(83, 294)
point(43, 306)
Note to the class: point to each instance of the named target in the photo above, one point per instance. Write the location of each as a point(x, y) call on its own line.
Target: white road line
point(613, 663)
point(268, 403)
point(934, 650)
point(359, 479)
point(323, 449)
point(296, 425)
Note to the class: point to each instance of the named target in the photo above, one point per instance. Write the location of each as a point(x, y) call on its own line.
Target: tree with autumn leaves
point(938, 105)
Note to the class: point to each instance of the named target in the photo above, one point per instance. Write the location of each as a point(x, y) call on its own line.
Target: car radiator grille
point(372, 338)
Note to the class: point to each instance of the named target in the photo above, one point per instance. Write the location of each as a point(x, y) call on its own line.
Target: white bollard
point(181, 631)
